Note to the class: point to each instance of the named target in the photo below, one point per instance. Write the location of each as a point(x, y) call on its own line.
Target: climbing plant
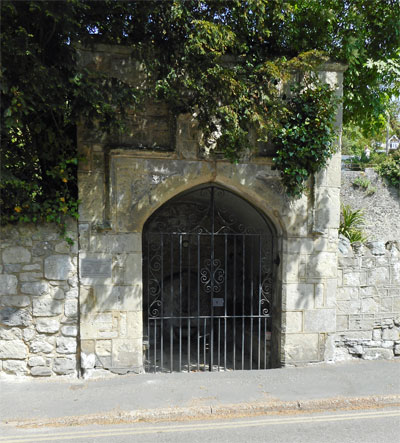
point(306, 137)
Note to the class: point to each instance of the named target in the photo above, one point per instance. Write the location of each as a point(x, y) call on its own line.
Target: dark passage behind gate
point(208, 280)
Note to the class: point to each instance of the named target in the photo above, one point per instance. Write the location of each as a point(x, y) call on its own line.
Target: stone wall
point(38, 301)
point(125, 180)
point(368, 302)
point(380, 203)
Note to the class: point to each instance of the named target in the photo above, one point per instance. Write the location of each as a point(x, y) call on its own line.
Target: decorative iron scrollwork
point(212, 276)
point(266, 293)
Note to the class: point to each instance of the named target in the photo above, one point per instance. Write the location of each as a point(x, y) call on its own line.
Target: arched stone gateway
point(177, 266)
point(208, 276)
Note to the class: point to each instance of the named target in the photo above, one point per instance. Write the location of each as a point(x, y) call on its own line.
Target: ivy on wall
point(306, 136)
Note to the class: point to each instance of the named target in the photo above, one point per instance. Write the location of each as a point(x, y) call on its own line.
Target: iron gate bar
point(171, 332)
point(234, 304)
point(162, 304)
point(243, 291)
point(226, 300)
point(236, 270)
point(180, 303)
point(198, 301)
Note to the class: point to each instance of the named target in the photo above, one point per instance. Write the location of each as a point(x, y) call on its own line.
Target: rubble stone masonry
point(38, 301)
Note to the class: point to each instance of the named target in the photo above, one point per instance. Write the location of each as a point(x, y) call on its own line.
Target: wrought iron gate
point(208, 280)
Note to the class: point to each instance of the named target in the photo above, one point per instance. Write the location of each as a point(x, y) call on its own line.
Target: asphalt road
point(369, 426)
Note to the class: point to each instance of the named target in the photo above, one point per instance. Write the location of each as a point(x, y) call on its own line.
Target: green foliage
point(362, 182)
point(222, 60)
point(306, 138)
point(390, 169)
point(365, 184)
point(43, 96)
point(350, 224)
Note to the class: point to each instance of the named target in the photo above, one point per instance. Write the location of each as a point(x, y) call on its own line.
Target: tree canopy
point(224, 59)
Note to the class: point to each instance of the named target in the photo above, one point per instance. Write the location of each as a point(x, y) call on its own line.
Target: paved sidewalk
point(354, 385)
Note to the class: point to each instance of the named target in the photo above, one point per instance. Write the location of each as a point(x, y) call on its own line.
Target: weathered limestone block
point(71, 308)
point(298, 296)
point(378, 354)
point(378, 276)
point(327, 213)
point(58, 267)
point(37, 288)
point(134, 324)
point(322, 265)
point(99, 325)
point(116, 244)
point(127, 353)
point(30, 276)
point(331, 175)
point(301, 348)
point(62, 247)
point(293, 321)
point(16, 254)
point(8, 284)
point(91, 194)
point(17, 367)
point(352, 278)
point(66, 345)
point(12, 268)
point(47, 307)
point(299, 245)
point(36, 361)
point(14, 349)
point(34, 267)
point(344, 247)
point(58, 294)
point(320, 320)
point(342, 322)
point(88, 361)
point(370, 305)
point(64, 365)
point(19, 301)
point(10, 334)
point(69, 331)
point(292, 265)
point(348, 306)
point(15, 317)
point(73, 281)
point(347, 293)
point(42, 344)
point(377, 247)
point(121, 298)
point(41, 371)
point(47, 325)
point(133, 269)
point(103, 347)
point(29, 333)
point(42, 248)
point(390, 334)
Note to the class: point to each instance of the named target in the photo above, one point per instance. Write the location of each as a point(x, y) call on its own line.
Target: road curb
point(215, 411)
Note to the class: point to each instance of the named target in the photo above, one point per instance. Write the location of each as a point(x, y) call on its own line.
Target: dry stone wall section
point(38, 301)
point(368, 302)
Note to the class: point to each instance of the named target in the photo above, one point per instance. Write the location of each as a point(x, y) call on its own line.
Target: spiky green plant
point(350, 224)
